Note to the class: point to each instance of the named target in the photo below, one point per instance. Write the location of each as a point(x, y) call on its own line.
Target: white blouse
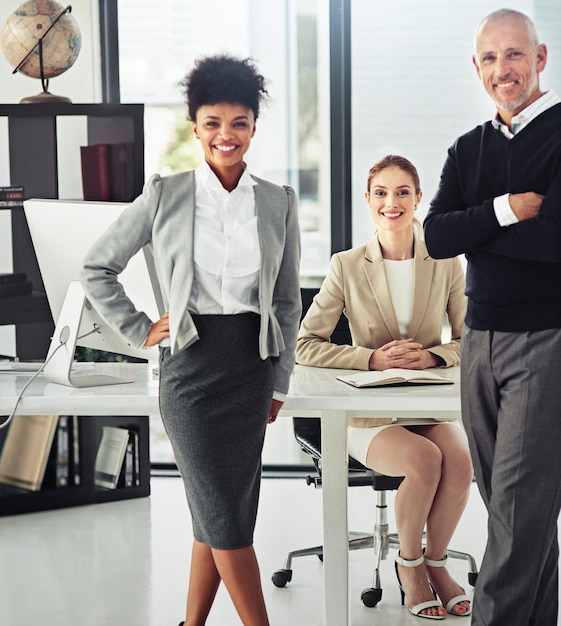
point(226, 246)
point(401, 281)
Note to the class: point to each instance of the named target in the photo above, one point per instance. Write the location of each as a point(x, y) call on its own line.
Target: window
point(157, 47)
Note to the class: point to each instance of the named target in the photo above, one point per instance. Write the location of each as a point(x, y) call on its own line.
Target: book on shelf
point(130, 470)
point(393, 376)
point(62, 474)
point(121, 171)
point(116, 458)
point(108, 171)
point(128, 476)
point(57, 473)
point(136, 457)
point(26, 450)
point(75, 447)
point(95, 172)
point(63, 466)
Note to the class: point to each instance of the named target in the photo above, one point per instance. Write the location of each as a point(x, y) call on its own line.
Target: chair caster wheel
point(281, 577)
point(472, 578)
point(370, 597)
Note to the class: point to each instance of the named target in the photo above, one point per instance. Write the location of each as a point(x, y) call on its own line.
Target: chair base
point(381, 541)
point(307, 431)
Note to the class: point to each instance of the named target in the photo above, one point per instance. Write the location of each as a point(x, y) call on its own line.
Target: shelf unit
point(15, 501)
point(33, 138)
point(33, 157)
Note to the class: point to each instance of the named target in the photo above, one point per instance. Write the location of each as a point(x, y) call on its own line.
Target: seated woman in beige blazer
point(395, 298)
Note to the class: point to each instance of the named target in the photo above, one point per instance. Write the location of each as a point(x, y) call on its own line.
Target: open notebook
point(393, 376)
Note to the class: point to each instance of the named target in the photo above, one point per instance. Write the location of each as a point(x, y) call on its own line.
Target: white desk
point(313, 392)
point(42, 397)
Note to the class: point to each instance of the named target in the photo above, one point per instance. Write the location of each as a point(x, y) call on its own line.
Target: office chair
point(307, 432)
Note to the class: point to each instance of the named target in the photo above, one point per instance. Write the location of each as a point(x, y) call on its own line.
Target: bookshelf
point(126, 405)
point(15, 501)
point(33, 152)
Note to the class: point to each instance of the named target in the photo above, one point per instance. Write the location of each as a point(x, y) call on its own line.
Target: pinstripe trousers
point(511, 409)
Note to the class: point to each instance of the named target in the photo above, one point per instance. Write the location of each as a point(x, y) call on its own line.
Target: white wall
point(81, 83)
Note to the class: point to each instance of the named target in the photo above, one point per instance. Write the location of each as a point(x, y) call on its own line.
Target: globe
point(42, 40)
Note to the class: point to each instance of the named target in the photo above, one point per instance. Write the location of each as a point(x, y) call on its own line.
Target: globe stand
point(45, 95)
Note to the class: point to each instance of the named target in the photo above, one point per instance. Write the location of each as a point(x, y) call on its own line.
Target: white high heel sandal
point(429, 604)
point(456, 599)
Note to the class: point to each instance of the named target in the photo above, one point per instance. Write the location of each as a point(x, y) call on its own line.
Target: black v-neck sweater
point(513, 280)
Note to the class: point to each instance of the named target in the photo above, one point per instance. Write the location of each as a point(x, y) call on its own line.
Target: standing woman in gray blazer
point(227, 251)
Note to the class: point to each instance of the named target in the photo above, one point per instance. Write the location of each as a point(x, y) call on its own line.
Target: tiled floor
point(126, 563)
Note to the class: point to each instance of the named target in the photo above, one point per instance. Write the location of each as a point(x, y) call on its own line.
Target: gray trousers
point(511, 409)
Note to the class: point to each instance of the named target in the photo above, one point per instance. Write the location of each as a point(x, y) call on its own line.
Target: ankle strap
point(440, 563)
point(409, 563)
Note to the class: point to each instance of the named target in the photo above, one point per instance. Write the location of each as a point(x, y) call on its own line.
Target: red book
point(95, 172)
point(121, 171)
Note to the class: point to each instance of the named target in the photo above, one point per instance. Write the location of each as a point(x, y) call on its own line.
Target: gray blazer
point(162, 218)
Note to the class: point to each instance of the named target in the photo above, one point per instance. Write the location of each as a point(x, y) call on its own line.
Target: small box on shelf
point(11, 197)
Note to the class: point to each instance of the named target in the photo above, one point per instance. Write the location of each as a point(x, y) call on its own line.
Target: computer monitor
point(62, 231)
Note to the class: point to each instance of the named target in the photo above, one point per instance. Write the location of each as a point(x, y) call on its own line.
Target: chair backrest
point(307, 430)
point(341, 333)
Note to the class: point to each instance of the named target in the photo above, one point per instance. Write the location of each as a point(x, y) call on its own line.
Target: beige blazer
point(356, 285)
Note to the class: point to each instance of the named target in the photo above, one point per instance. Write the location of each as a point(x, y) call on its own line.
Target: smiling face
point(508, 64)
point(392, 199)
point(225, 131)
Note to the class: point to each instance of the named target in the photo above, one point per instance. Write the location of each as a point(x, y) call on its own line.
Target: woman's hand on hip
point(158, 331)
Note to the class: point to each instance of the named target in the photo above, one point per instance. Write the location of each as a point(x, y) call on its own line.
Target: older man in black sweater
point(499, 202)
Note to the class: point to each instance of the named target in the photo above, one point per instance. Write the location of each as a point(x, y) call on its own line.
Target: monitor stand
point(60, 357)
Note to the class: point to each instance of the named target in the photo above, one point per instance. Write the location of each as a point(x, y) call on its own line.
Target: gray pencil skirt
point(215, 397)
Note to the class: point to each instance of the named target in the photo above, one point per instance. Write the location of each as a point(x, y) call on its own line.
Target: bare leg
point(203, 584)
point(448, 506)
point(397, 451)
point(240, 572)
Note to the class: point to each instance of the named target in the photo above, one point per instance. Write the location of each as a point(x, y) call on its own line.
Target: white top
point(401, 281)
point(227, 254)
point(226, 246)
point(505, 215)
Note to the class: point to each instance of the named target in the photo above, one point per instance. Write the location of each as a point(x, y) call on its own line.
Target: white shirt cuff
point(505, 215)
point(278, 395)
